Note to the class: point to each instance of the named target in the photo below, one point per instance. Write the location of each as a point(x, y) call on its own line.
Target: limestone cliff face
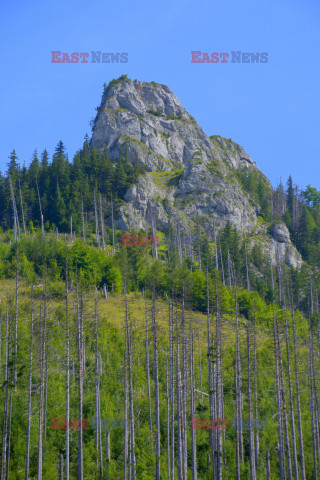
point(190, 177)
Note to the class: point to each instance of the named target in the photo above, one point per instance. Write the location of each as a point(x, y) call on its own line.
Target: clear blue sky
point(272, 110)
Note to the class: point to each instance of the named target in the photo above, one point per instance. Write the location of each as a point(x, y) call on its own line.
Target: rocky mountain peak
point(191, 178)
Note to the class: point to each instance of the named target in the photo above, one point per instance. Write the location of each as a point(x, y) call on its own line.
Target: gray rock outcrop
point(190, 177)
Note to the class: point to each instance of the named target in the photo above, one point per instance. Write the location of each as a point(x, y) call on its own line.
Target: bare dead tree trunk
point(83, 224)
point(193, 438)
point(168, 418)
point(247, 269)
point(312, 388)
point(108, 449)
point(148, 368)
point(312, 416)
point(268, 465)
point(97, 388)
point(102, 225)
point(22, 211)
point(96, 219)
point(156, 385)
point(42, 224)
point(251, 429)
point(171, 339)
point(292, 420)
point(6, 401)
point(210, 375)
point(154, 232)
point(178, 393)
point(219, 386)
point(279, 409)
point(45, 393)
point(132, 425)
point(284, 408)
point(67, 374)
point(80, 384)
point(238, 382)
point(9, 434)
point(257, 439)
point(199, 353)
point(302, 460)
point(222, 268)
point(16, 313)
point(215, 248)
point(113, 233)
point(60, 467)
point(126, 437)
point(43, 335)
point(29, 393)
point(184, 387)
point(15, 213)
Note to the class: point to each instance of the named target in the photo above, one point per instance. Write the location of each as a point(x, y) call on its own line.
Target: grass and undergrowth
point(89, 266)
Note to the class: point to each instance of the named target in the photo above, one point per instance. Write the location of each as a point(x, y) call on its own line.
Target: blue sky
point(271, 109)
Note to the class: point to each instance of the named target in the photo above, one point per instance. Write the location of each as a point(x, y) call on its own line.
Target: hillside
point(153, 287)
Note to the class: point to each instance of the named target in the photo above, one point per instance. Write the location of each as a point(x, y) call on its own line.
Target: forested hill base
point(159, 313)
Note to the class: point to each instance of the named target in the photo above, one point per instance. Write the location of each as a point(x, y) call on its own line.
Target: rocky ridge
point(190, 177)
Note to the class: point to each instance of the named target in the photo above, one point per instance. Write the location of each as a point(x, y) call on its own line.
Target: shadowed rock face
point(189, 175)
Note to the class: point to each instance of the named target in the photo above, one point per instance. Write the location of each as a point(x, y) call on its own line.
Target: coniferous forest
point(188, 357)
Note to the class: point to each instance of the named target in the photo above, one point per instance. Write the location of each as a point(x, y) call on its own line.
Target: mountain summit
point(190, 178)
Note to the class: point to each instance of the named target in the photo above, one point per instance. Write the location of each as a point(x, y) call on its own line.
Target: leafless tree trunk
point(80, 386)
point(251, 429)
point(238, 384)
point(312, 401)
point(43, 335)
point(45, 393)
point(29, 393)
point(257, 439)
point(268, 465)
point(22, 211)
point(154, 232)
point(210, 373)
point(42, 224)
point(156, 385)
point(171, 340)
point(6, 401)
point(108, 453)
point(126, 437)
point(113, 229)
point(193, 438)
point(67, 374)
point(9, 434)
point(16, 313)
point(15, 213)
point(168, 419)
point(96, 219)
point(284, 408)
point(279, 409)
point(184, 386)
point(83, 224)
point(102, 225)
point(60, 467)
point(302, 460)
point(148, 368)
point(199, 353)
point(222, 268)
point(293, 430)
point(247, 269)
point(97, 387)
point(178, 393)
